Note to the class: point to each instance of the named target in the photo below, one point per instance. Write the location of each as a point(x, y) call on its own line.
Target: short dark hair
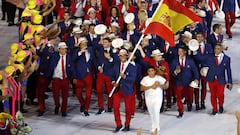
point(200, 1)
point(184, 47)
point(216, 26)
point(218, 44)
point(108, 39)
point(151, 67)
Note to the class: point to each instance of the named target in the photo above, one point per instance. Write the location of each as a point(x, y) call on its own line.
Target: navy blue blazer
point(63, 28)
point(70, 42)
point(218, 71)
point(127, 83)
point(201, 59)
point(213, 40)
point(81, 65)
point(45, 56)
point(188, 73)
point(133, 38)
point(54, 61)
point(107, 65)
point(230, 5)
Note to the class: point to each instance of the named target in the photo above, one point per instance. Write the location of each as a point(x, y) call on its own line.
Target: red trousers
point(230, 19)
point(170, 90)
point(87, 82)
point(116, 107)
point(185, 91)
point(42, 85)
point(101, 80)
point(59, 85)
point(217, 94)
point(133, 100)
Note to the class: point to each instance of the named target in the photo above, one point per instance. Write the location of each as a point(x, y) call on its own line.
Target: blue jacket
point(63, 29)
point(218, 72)
point(230, 5)
point(54, 61)
point(45, 56)
point(107, 65)
point(133, 38)
point(188, 73)
point(127, 83)
point(82, 67)
point(201, 59)
point(213, 40)
point(70, 43)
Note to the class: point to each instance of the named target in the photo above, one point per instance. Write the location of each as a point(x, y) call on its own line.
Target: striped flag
point(170, 17)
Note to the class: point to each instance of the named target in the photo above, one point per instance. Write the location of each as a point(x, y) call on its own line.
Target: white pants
point(154, 104)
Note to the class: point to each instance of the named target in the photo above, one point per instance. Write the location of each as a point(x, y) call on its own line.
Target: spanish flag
point(170, 17)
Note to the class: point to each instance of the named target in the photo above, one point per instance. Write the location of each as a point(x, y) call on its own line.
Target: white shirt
point(148, 81)
point(58, 70)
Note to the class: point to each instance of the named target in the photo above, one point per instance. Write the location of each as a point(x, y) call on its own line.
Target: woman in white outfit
point(153, 86)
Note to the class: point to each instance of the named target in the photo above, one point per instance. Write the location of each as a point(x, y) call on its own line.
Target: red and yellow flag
point(169, 18)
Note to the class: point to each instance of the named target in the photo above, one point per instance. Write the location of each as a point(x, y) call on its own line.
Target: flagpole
point(134, 50)
point(128, 61)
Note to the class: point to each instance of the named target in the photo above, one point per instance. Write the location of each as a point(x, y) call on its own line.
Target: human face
point(151, 72)
point(66, 16)
point(202, 4)
point(123, 57)
point(114, 12)
point(62, 51)
point(181, 52)
point(106, 44)
point(91, 29)
point(217, 49)
point(92, 14)
point(219, 30)
point(77, 35)
point(157, 57)
point(83, 45)
point(199, 38)
point(30, 41)
point(145, 42)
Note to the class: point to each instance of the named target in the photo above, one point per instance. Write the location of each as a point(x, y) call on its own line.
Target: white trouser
point(154, 104)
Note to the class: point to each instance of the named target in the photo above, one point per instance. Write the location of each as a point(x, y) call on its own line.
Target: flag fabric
point(170, 17)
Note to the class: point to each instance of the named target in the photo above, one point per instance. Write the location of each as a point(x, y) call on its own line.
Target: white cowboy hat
point(78, 21)
point(220, 15)
point(204, 71)
point(187, 34)
point(201, 13)
point(129, 18)
point(117, 43)
point(193, 85)
point(193, 45)
point(77, 30)
point(127, 45)
point(62, 45)
point(81, 39)
point(90, 10)
point(123, 51)
point(86, 22)
point(100, 29)
point(156, 52)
